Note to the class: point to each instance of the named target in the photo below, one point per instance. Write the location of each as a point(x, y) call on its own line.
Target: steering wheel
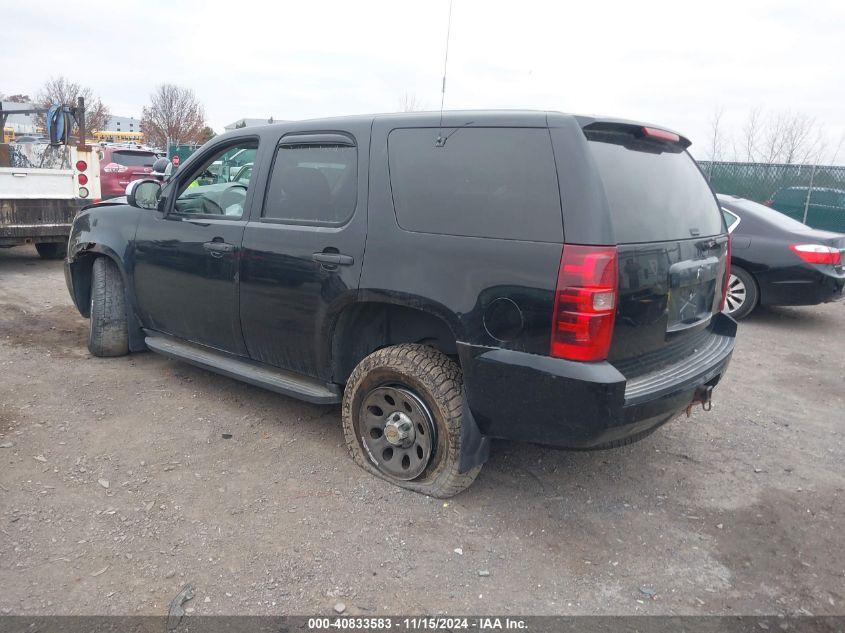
point(232, 195)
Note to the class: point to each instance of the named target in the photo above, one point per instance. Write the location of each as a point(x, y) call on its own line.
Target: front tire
point(742, 293)
point(108, 334)
point(402, 410)
point(51, 250)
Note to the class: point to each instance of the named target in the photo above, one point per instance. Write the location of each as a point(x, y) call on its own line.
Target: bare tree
point(62, 91)
point(790, 137)
point(717, 141)
point(835, 154)
point(410, 103)
point(18, 98)
point(776, 137)
point(801, 138)
point(750, 136)
point(174, 114)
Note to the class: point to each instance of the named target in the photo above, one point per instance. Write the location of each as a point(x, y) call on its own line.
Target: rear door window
point(483, 182)
point(134, 159)
point(654, 195)
point(313, 184)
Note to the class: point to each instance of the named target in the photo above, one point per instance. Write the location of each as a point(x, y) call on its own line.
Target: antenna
point(440, 140)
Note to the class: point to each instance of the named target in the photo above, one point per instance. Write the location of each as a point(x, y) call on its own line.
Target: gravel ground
point(118, 487)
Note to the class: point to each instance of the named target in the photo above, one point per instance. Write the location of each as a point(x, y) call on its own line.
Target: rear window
point(767, 215)
point(134, 159)
point(655, 195)
point(483, 182)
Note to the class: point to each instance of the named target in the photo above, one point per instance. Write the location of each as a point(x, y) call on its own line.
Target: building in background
point(120, 129)
point(20, 124)
point(123, 124)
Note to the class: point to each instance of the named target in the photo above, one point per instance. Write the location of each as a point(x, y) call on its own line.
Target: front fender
point(103, 231)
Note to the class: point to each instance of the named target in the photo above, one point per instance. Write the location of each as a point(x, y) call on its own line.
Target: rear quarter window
point(654, 195)
point(483, 182)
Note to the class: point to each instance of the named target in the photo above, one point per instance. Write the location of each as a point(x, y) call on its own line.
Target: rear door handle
point(218, 248)
point(333, 259)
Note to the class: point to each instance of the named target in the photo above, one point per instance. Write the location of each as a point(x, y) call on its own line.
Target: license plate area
point(692, 293)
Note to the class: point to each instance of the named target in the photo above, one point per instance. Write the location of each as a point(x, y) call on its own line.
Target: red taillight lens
point(114, 168)
point(585, 303)
point(81, 165)
point(817, 254)
point(661, 135)
point(83, 179)
point(726, 280)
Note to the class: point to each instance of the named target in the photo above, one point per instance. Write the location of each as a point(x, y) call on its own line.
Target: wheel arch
point(80, 269)
point(365, 326)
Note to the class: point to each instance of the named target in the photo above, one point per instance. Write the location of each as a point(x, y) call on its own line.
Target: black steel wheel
point(397, 430)
point(402, 410)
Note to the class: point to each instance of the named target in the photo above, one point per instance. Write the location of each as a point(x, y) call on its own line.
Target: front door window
point(215, 188)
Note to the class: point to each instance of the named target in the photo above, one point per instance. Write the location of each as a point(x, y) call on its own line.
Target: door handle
point(218, 248)
point(333, 259)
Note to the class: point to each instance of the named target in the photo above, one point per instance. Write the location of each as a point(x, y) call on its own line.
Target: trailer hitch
point(701, 396)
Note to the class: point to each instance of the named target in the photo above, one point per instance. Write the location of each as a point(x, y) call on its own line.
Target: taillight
point(768, 202)
point(115, 168)
point(83, 179)
point(727, 278)
point(817, 254)
point(585, 303)
point(81, 165)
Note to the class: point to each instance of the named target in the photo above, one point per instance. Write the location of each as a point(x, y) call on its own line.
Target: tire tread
point(108, 334)
point(443, 380)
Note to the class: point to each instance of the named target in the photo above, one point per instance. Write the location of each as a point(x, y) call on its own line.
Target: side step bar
point(286, 383)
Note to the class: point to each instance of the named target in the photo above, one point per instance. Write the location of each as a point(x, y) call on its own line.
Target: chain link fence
point(812, 194)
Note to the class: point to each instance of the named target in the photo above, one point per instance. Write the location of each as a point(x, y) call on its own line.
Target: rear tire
point(51, 250)
point(108, 334)
point(743, 294)
point(425, 388)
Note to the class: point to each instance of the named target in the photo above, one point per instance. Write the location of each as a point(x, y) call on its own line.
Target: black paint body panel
point(270, 303)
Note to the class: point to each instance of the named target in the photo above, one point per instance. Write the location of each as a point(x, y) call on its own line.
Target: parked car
point(121, 165)
point(419, 274)
point(826, 209)
point(243, 174)
point(776, 260)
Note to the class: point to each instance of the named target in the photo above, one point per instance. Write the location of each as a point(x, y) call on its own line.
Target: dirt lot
point(117, 487)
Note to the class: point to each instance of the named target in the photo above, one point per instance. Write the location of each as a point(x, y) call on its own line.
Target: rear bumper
point(24, 220)
point(525, 397)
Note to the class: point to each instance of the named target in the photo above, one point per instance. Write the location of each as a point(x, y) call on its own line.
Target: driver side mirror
point(143, 194)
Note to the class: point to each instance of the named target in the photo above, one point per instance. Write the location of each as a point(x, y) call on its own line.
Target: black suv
point(524, 275)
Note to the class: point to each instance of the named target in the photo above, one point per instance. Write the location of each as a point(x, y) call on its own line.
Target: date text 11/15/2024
point(418, 624)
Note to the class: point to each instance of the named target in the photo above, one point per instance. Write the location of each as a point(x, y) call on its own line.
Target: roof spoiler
point(639, 131)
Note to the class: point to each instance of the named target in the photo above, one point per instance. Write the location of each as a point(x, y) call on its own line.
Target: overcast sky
point(671, 63)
